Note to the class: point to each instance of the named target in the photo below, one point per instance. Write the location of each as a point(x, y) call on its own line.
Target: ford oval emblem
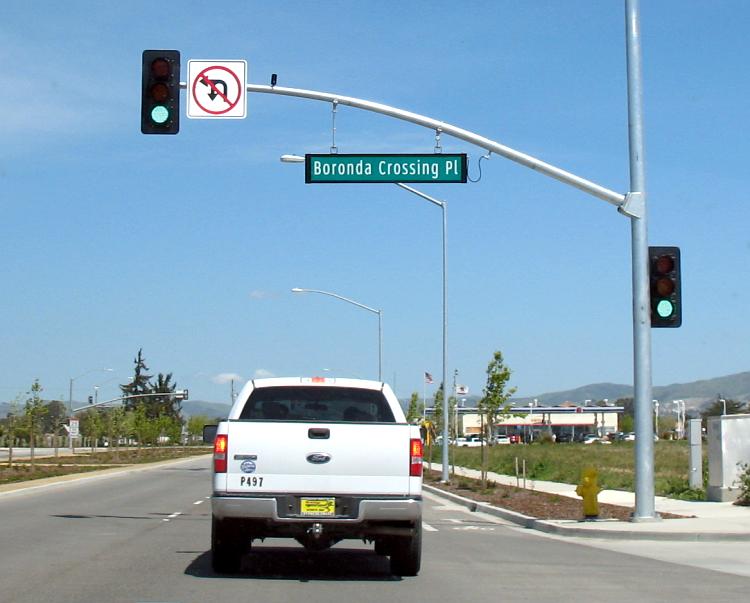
point(318, 458)
point(248, 466)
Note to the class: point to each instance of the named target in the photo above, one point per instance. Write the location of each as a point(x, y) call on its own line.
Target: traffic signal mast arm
point(180, 394)
point(621, 201)
point(626, 204)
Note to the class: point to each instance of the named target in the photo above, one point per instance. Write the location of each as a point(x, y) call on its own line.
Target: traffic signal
point(666, 290)
point(160, 100)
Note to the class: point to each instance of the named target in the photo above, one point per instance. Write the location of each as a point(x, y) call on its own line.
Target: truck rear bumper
point(373, 510)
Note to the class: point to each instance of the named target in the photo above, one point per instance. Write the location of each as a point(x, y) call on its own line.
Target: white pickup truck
point(318, 460)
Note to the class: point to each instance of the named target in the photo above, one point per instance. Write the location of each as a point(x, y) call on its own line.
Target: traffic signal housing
point(160, 95)
point(666, 289)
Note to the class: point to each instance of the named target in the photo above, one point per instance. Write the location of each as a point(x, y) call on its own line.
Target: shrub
point(744, 484)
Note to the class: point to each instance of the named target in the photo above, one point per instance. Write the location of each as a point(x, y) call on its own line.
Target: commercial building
point(531, 422)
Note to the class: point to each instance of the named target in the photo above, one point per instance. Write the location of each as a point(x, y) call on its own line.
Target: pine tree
point(141, 384)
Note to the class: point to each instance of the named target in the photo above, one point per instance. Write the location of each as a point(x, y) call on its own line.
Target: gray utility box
point(728, 450)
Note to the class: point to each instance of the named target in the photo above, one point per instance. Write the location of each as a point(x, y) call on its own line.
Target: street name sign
point(345, 168)
point(217, 89)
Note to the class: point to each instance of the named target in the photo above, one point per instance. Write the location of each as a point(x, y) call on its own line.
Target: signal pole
point(644, 441)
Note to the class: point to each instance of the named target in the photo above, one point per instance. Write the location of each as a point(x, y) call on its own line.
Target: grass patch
point(564, 463)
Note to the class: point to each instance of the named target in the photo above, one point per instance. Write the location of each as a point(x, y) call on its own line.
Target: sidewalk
point(709, 521)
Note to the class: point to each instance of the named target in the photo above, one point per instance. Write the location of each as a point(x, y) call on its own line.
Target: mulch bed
point(532, 503)
point(83, 461)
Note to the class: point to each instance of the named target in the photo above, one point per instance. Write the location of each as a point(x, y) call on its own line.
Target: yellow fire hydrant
point(588, 489)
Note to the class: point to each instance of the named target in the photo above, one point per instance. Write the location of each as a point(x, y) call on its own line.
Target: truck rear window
point(326, 404)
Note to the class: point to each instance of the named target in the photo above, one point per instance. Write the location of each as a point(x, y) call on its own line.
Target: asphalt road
point(144, 537)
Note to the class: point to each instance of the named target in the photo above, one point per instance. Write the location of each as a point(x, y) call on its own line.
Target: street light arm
point(356, 303)
point(337, 296)
point(421, 194)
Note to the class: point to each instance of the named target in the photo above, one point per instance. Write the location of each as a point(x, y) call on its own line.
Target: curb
point(45, 482)
point(551, 527)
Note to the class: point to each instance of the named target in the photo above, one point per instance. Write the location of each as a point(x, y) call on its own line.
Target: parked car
point(469, 441)
point(502, 439)
point(564, 437)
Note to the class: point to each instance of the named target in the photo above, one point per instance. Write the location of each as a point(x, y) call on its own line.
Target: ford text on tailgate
point(318, 460)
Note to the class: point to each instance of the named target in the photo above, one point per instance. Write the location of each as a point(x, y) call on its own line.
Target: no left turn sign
point(217, 89)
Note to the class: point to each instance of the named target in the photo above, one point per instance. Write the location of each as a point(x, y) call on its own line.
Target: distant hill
point(191, 408)
point(696, 393)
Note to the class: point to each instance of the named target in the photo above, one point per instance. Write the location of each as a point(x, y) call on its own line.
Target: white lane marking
point(428, 528)
point(198, 502)
point(172, 516)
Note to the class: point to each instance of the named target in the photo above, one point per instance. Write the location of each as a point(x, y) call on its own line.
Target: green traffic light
point(664, 308)
point(159, 114)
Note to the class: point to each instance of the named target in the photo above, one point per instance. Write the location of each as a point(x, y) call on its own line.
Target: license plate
point(319, 507)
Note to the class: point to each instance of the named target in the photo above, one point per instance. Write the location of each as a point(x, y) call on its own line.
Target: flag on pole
point(427, 377)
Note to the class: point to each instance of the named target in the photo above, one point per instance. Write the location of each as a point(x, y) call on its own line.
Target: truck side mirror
point(209, 433)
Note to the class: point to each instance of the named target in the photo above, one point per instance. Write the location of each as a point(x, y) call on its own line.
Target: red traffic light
point(664, 264)
point(160, 68)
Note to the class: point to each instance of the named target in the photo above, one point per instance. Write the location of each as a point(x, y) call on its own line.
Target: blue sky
point(187, 246)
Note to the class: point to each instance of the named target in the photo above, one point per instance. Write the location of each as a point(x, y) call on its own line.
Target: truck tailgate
point(321, 458)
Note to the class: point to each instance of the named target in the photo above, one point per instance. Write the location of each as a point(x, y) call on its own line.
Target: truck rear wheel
point(406, 554)
point(227, 547)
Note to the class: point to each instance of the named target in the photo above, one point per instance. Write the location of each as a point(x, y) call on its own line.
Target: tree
point(92, 426)
point(140, 384)
point(495, 400)
point(146, 429)
point(167, 405)
point(716, 408)
point(53, 420)
point(195, 426)
point(34, 411)
point(115, 421)
point(437, 415)
point(414, 412)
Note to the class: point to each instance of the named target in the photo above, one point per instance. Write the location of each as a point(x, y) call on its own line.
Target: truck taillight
point(220, 453)
point(416, 454)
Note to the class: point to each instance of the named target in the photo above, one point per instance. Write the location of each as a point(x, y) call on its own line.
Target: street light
point(444, 207)
point(680, 407)
point(70, 390)
point(724, 402)
point(359, 305)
